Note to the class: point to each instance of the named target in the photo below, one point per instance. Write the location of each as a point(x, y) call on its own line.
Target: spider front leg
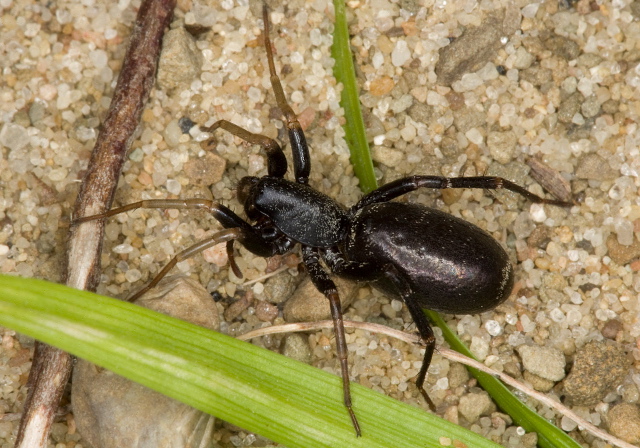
point(276, 161)
point(236, 229)
point(299, 147)
point(226, 235)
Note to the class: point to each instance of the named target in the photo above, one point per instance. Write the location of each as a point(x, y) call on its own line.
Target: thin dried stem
point(52, 367)
point(452, 356)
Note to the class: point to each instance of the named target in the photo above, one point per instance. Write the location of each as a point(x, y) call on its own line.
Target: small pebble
point(307, 304)
point(546, 362)
point(624, 422)
point(266, 312)
point(296, 346)
point(381, 86)
point(206, 170)
point(473, 405)
point(597, 369)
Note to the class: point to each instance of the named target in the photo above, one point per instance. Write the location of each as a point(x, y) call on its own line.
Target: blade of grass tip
point(284, 400)
point(354, 130)
point(549, 436)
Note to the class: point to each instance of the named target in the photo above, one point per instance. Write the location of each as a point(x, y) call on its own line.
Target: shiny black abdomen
point(450, 265)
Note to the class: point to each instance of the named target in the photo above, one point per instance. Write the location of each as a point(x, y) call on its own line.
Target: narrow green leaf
point(549, 436)
point(344, 72)
point(284, 400)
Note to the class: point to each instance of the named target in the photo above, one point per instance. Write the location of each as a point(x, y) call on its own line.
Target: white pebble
point(442, 384)
point(537, 213)
point(574, 317)
point(493, 327)
point(468, 82)
point(216, 255)
point(123, 249)
point(258, 288)
point(98, 58)
point(479, 347)
point(14, 136)
point(557, 315)
point(567, 424)
point(624, 231)
point(57, 174)
point(377, 60)
point(474, 136)
point(173, 186)
point(133, 275)
point(408, 133)
point(400, 53)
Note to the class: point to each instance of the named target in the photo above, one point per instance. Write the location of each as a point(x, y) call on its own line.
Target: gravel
point(572, 104)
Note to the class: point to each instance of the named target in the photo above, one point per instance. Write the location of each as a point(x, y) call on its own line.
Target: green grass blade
point(284, 400)
point(549, 436)
point(344, 72)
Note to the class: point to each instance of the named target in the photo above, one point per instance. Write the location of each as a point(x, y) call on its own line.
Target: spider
point(426, 257)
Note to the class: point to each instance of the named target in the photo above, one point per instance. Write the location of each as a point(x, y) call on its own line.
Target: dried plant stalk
point(52, 367)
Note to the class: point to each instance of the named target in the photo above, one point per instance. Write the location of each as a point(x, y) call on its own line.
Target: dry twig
point(52, 367)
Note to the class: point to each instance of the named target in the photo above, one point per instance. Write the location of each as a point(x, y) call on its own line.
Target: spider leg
point(276, 160)
point(217, 238)
point(240, 229)
point(367, 272)
point(408, 184)
point(299, 147)
point(325, 285)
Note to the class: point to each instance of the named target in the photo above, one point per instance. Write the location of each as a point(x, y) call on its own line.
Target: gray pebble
point(502, 145)
point(597, 369)
point(37, 111)
point(594, 167)
point(307, 304)
point(524, 59)
point(569, 107)
point(591, 107)
point(473, 405)
point(536, 75)
point(474, 48)
point(563, 47)
point(296, 346)
point(589, 60)
point(420, 112)
point(458, 375)
point(635, 9)
point(13, 136)
point(512, 171)
point(279, 288)
point(113, 412)
point(546, 362)
point(180, 60)
point(610, 106)
point(465, 119)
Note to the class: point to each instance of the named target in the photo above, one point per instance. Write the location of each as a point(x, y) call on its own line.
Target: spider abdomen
point(449, 264)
